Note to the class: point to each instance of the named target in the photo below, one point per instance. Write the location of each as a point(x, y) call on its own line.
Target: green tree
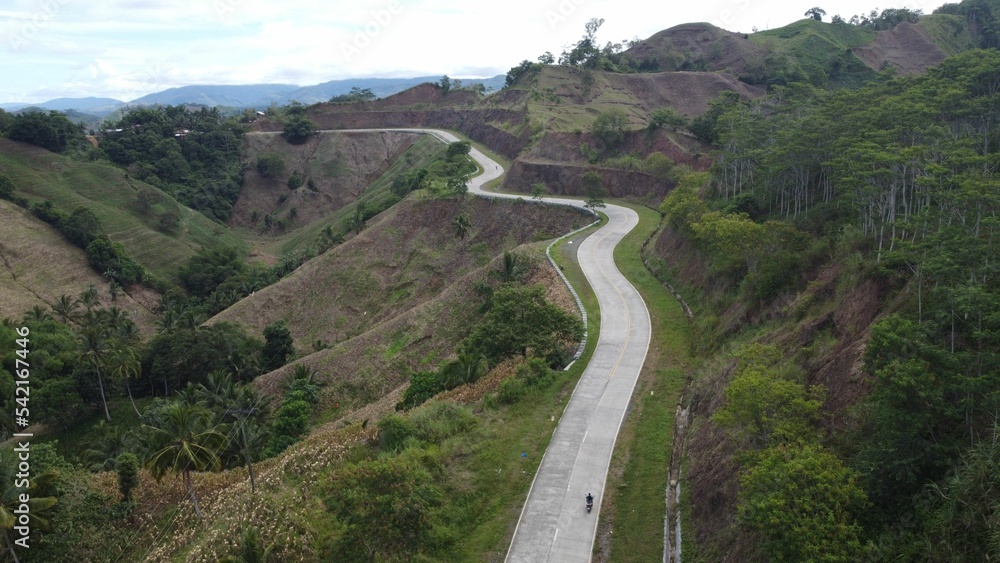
point(210, 268)
point(278, 346)
point(52, 130)
point(805, 503)
point(298, 129)
point(764, 407)
point(537, 190)
point(271, 165)
point(666, 118)
point(445, 84)
point(593, 186)
point(610, 128)
point(186, 439)
point(127, 468)
point(385, 507)
point(815, 13)
point(521, 322)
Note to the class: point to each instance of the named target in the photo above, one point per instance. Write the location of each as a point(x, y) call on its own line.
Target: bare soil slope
point(907, 47)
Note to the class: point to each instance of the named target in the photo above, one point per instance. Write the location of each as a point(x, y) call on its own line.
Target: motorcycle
point(590, 502)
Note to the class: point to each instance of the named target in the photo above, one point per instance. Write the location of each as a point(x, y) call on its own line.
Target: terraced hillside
point(132, 212)
point(39, 265)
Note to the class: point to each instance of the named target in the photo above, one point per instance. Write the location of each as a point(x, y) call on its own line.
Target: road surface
point(554, 524)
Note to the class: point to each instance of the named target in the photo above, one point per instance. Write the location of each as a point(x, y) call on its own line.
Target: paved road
point(554, 524)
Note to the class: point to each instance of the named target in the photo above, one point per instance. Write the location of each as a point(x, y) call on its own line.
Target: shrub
point(439, 421)
point(270, 166)
point(393, 431)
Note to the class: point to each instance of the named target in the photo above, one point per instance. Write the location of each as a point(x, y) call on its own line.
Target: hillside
point(39, 266)
point(406, 308)
point(130, 211)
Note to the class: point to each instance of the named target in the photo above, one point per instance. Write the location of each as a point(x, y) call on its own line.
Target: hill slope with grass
point(40, 265)
point(400, 294)
point(155, 230)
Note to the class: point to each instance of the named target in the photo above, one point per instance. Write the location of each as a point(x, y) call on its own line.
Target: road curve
point(554, 524)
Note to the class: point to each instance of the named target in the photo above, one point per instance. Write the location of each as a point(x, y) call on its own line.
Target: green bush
point(270, 166)
point(510, 391)
point(423, 386)
point(290, 422)
point(394, 431)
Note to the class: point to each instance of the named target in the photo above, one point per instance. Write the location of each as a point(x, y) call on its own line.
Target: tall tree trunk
point(100, 383)
point(194, 499)
point(129, 389)
point(246, 452)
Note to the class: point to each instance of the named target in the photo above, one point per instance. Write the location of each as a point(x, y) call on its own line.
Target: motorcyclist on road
point(590, 498)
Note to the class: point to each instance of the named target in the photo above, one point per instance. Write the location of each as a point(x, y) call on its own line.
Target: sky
point(125, 49)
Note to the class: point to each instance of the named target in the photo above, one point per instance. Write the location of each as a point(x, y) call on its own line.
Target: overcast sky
point(128, 48)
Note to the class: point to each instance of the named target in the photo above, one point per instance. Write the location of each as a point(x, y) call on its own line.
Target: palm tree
point(466, 368)
point(94, 349)
point(37, 314)
point(66, 309)
point(102, 450)
point(123, 364)
point(242, 406)
point(462, 225)
point(10, 500)
point(511, 269)
point(187, 440)
point(89, 298)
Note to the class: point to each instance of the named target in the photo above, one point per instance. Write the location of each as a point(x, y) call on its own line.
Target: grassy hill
point(130, 211)
point(397, 296)
point(40, 265)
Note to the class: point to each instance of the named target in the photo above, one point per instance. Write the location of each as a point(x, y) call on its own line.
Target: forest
point(898, 178)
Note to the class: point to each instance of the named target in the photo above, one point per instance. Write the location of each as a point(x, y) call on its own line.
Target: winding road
point(554, 524)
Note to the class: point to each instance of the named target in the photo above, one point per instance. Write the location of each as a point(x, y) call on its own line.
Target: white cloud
point(128, 48)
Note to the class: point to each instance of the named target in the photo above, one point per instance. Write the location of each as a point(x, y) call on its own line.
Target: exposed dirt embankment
point(427, 105)
point(686, 92)
point(565, 179)
point(906, 47)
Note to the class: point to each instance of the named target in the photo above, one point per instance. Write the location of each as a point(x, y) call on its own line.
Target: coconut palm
point(511, 269)
point(462, 225)
point(10, 500)
point(466, 368)
point(89, 298)
point(94, 349)
point(37, 314)
point(123, 364)
point(245, 409)
point(186, 440)
point(66, 309)
point(102, 450)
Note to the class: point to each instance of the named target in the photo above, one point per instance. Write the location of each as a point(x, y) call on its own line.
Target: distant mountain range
point(247, 96)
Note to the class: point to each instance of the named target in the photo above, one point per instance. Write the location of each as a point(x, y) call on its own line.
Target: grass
point(638, 478)
point(113, 197)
